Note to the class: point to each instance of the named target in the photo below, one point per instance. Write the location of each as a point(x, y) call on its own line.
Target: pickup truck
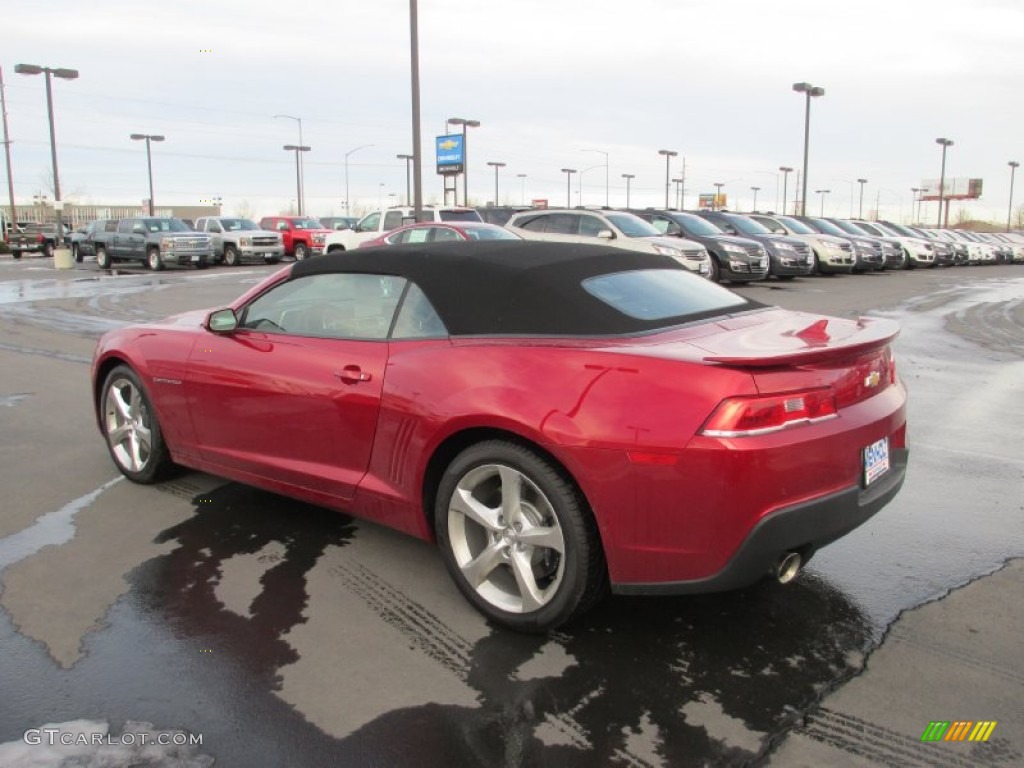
point(377, 223)
point(236, 240)
point(155, 242)
point(34, 238)
point(303, 236)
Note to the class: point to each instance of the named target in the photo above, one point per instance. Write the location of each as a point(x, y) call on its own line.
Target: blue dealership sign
point(450, 153)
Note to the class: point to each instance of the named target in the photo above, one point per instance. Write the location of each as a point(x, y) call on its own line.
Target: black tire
point(76, 254)
point(716, 270)
point(202, 263)
point(48, 250)
point(301, 252)
point(908, 263)
point(102, 257)
point(785, 277)
point(562, 584)
point(153, 260)
point(131, 429)
point(231, 258)
point(273, 259)
point(15, 255)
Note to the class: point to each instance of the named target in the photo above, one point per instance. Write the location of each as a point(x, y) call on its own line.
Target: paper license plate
point(876, 460)
point(195, 257)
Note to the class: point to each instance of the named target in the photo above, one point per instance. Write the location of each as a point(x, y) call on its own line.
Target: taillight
point(761, 414)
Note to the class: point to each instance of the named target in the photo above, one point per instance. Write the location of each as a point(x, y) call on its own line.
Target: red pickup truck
point(302, 235)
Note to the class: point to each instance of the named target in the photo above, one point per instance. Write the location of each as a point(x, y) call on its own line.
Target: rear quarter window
point(662, 294)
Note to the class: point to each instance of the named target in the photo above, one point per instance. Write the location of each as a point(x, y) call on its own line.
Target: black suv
point(789, 256)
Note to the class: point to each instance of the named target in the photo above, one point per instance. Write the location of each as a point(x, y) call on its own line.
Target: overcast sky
point(547, 79)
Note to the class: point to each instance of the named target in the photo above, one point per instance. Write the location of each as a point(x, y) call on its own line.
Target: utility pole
point(7, 154)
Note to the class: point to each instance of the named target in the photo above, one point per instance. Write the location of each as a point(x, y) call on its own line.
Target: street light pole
point(7, 154)
point(302, 191)
point(942, 181)
point(786, 170)
point(347, 203)
point(522, 188)
point(822, 192)
point(669, 154)
point(64, 74)
point(809, 91)
point(465, 154)
point(417, 148)
point(568, 185)
point(408, 189)
point(628, 177)
point(601, 151)
point(860, 210)
point(756, 190)
point(679, 192)
point(1014, 165)
point(718, 195)
point(297, 148)
point(496, 166)
point(149, 164)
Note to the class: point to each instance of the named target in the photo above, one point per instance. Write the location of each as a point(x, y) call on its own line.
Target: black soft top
point(510, 287)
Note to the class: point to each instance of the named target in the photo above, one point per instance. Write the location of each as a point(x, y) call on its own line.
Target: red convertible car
point(559, 418)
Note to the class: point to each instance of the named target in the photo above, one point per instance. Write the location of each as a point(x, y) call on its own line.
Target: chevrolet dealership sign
point(450, 154)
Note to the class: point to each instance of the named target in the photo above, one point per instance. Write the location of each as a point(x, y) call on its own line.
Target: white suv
point(615, 228)
point(377, 223)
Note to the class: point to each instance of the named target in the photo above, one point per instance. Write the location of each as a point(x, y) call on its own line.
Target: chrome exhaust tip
point(788, 567)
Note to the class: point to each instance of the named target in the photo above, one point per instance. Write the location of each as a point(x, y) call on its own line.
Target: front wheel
point(153, 259)
point(230, 256)
point(130, 426)
point(517, 537)
point(102, 257)
point(48, 250)
point(301, 252)
point(716, 270)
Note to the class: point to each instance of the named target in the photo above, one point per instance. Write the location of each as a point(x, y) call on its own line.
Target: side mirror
point(606, 234)
point(222, 321)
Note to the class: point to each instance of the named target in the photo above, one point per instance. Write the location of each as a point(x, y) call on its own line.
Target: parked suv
point(832, 254)
point(155, 242)
point(615, 228)
point(739, 258)
point(787, 255)
point(890, 250)
point(236, 240)
point(919, 251)
point(377, 223)
point(302, 236)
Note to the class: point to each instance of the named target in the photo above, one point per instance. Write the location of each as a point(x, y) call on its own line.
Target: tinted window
point(306, 224)
point(444, 234)
point(632, 226)
point(695, 225)
point(659, 294)
point(125, 226)
point(417, 318)
point(369, 223)
point(468, 215)
point(797, 226)
point(392, 220)
point(748, 226)
point(590, 226)
point(490, 233)
point(350, 306)
point(110, 226)
point(823, 225)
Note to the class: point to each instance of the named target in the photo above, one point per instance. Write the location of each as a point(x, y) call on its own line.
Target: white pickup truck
point(377, 223)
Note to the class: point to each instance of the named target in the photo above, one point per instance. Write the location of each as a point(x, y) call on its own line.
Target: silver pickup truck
point(236, 240)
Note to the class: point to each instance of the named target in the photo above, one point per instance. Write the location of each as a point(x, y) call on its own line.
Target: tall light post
point(718, 195)
point(1014, 165)
point(568, 185)
point(465, 153)
point(679, 192)
point(669, 154)
point(810, 91)
point(298, 149)
point(628, 177)
point(942, 181)
point(7, 155)
point(417, 148)
point(302, 179)
point(496, 166)
point(915, 204)
point(149, 163)
point(786, 170)
point(601, 151)
point(860, 208)
point(408, 189)
point(822, 192)
point(522, 188)
point(351, 151)
point(755, 190)
point(63, 74)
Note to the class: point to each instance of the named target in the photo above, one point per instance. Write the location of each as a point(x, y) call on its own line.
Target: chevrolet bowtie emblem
point(872, 379)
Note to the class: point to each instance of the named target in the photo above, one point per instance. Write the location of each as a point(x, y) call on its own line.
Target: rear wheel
point(230, 256)
point(301, 252)
point(517, 537)
point(102, 257)
point(153, 260)
point(76, 253)
point(48, 250)
point(130, 426)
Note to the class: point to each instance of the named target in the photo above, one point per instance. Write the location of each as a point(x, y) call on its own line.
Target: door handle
point(352, 373)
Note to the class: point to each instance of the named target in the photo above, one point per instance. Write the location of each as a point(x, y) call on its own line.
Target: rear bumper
point(803, 527)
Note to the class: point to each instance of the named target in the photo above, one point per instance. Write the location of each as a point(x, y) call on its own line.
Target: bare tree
point(244, 210)
point(1018, 217)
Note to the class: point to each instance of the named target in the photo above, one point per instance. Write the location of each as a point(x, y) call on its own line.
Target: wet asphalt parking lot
point(287, 635)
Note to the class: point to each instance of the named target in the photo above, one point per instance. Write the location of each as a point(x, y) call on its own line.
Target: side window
point(110, 226)
point(281, 226)
point(418, 235)
point(125, 226)
point(334, 305)
point(213, 226)
point(536, 224)
point(200, 225)
point(369, 223)
point(665, 226)
point(417, 318)
point(444, 235)
point(591, 225)
point(726, 226)
point(392, 220)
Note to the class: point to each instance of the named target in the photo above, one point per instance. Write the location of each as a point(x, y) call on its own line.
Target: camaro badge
point(872, 379)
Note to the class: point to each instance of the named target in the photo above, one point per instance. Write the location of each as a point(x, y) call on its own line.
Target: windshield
point(871, 229)
point(659, 294)
point(886, 230)
point(748, 226)
point(844, 226)
point(695, 225)
point(796, 226)
point(830, 228)
point(632, 226)
point(307, 224)
point(901, 230)
point(237, 225)
point(166, 225)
